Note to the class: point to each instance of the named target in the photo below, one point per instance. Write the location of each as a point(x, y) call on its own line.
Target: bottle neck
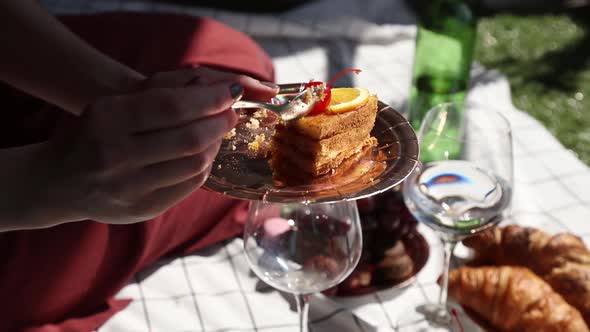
point(437, 14)
point(431, 13)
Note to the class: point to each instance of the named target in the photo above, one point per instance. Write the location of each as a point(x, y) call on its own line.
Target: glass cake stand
point(241, 169)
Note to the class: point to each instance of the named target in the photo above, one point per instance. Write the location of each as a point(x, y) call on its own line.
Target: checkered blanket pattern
point(214, 290)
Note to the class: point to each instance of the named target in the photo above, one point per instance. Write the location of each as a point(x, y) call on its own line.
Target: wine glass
point(462, 186)
point(303, 249)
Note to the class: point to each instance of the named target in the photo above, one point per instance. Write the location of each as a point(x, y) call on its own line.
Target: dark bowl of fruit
point(393, 249)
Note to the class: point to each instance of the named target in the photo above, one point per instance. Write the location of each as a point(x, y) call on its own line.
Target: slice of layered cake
point(319, 144)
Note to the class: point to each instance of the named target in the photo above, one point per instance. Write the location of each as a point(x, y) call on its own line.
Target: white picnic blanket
point(213, 291)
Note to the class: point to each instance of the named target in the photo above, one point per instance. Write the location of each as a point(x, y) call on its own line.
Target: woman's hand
point(128, 158)
point(253, 89)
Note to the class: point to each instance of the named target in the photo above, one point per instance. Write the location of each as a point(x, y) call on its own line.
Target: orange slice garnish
point(347, 99)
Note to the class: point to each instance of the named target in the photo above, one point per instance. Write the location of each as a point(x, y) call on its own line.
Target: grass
point(547, 61)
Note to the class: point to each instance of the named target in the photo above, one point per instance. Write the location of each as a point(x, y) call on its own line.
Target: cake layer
point(326, 125)
point(324, 148)
point(286, 174)
point(284, 155)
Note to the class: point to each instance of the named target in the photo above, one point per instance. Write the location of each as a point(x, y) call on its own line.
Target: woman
point(106, 181)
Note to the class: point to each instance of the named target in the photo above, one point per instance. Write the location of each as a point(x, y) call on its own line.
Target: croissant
point(561, 260)
point(513, 299)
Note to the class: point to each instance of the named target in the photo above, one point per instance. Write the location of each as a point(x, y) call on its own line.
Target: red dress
point(63, 278)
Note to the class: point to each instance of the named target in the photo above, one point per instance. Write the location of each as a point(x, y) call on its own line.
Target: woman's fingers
point(171, 79)
point(172, 172)
point(253, 88)
point(178, 142)
point(256, 90)
point(159, 200)
point(159, 109)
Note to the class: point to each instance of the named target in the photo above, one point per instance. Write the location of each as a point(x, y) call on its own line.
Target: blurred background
point(542, 46)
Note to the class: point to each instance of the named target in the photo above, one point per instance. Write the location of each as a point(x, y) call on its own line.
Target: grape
point(366, 205)
point(369, 223)
point(389, 223)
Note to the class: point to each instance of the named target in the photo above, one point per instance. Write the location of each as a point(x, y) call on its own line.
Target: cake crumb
point(256, 144)
point(315, 94)
point(260, 114)
point(230, 134)
point(253, 124)
point(219, 166)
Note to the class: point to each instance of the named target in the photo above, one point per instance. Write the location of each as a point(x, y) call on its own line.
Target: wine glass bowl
point(464, 183)
point(302, 249)
point(444, 196)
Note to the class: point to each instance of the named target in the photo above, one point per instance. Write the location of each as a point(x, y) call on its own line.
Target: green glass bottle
point(444, 52)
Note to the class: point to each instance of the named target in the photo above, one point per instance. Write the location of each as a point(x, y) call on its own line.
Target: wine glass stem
point(302, 301)
point(449, 247)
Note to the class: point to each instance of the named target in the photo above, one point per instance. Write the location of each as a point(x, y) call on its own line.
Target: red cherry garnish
point(340, 74)
point(322, 105)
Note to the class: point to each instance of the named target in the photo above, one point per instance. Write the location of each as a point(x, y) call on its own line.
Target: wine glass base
point(436, 315)
point(428, 317)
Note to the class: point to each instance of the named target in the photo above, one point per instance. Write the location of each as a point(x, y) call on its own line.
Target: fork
point(295, 108)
